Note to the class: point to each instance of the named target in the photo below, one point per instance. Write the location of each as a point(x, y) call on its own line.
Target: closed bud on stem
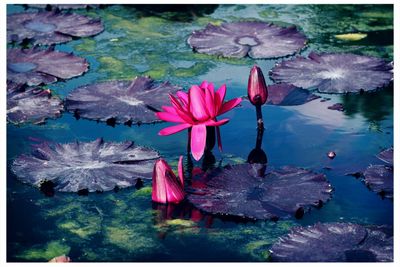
point(257, 88)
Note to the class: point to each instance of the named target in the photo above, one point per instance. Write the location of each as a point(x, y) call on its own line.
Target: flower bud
point(257, 88)
point(166, 187)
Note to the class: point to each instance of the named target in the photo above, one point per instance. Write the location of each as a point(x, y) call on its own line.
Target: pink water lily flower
point(197, 109)
point(166, 187)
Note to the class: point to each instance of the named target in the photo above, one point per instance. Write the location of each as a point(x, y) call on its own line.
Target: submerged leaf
point(31, 104)
point(284, 192)
point(46, 28)
point(129, 102)
point(253, 38)
point(92, 166)
point(334, 73)
point(37, 66)
point(288, 95)
point(335, 242)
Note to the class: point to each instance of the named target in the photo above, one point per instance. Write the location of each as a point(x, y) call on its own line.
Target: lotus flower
point(256, 88)
point(167, 188)
point(197, 109)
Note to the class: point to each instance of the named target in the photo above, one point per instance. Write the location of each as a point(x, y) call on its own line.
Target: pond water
point(125, 225)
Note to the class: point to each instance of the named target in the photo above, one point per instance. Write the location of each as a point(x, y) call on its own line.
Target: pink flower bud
point(256, 88)
point(167, 188)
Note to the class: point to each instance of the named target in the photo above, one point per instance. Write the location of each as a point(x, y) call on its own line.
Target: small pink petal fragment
point(61, 258)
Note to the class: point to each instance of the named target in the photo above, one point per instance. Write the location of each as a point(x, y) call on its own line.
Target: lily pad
point(92, 166)
point(129, 102)
point(31, 104)
point(46, 28)
point(334, 73)
point(386, 155)
point(37, 66)
point(63, 6)
point(280, 193)
point(379, 178)
point(247, 38)
point(283, 94)
point(335, 242)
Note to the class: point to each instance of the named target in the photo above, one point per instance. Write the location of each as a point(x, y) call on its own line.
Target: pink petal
point(216, 123)
point(210, 100)
point(197, 103)
point(183, 97)
point(229, 105)
point(219, 139)
point(180, 170)
point(175, 103)
point(198, 140)
point(159, 191)
point(169, 109)
point(174, 129)
point(204, 85)
point(165, 116)
point(174, 189)
point(219, 97)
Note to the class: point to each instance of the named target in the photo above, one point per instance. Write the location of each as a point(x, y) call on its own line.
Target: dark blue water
point(124, 225)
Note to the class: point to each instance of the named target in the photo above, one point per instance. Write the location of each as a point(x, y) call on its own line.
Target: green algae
point(143, 192)
point(46, 252)
point(116, 69)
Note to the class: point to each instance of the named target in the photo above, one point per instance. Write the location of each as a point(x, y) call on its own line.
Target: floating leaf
point(92, 166)
point(335, 242)
point(284, 192)
point(31, 104)
point(252, 38)
point(379, 178)
point(121, 101)
point(351, 36)
point(334, 73)
point(36, 66)
point(288, 95)
point(386, 155)
point(46, 28)
point(63, 6)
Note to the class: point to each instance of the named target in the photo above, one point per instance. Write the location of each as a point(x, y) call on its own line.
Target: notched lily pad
point(91, 166)
point(31, 104)
point(335, 242)
point(253, 38)
point(379, 178)
point(280, 193)
point(46, 28)
point(129, 102)
point(386, 155)
point(334, 73)
point(37, 66)
point(288, 95)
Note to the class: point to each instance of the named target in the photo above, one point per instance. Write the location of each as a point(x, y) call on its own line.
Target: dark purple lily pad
point(46, 28)
point(386, 155)
point(334, 73)
point(63, 6)
point(288, 95)
point(379, 178)
point(91, 166)
point(284, 192)
point(252, 38)
point(36, 66)
point(129, 102)
point(335, 242)
point(31, 104)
